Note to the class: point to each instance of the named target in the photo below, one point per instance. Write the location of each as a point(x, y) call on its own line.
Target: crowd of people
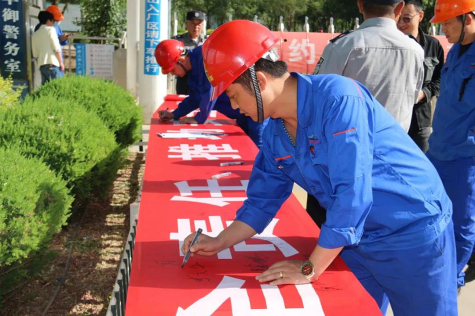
point(392, 191)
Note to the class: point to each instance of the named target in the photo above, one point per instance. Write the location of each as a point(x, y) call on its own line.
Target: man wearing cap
point(191, 39)
point(387, 62)
point(452, 142)
point(388, 212)
point(173, 58)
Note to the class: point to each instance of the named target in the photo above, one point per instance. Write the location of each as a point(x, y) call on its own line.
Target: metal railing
point(91, 38)
point(119, 293)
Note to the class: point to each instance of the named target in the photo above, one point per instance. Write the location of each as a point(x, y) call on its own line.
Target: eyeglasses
point(406, 19)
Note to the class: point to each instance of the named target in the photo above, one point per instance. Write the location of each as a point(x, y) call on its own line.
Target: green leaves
point(105, 18)
point(34, 204)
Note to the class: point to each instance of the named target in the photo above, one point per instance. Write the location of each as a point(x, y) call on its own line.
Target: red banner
point(302, 50)
point(179, 196)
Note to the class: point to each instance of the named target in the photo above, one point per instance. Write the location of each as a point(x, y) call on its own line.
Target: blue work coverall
point(452, 146)
point(199, 97)
point(385, 201)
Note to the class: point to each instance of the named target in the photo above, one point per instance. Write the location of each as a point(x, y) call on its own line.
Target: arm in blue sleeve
point(186, 106)
point(348, 132)
point(205, 106)
point(60, 32)
point(267, 190)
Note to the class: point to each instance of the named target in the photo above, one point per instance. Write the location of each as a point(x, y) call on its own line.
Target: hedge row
point(115, 106)
point(34, 204)
point(59, 146)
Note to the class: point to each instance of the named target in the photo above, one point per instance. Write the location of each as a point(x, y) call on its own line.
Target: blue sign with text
point(12, 40)
point(152, 35)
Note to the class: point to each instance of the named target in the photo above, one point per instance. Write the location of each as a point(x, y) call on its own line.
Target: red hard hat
point(167, 54)
point(231, 49)
point(447, 9)
point(56, 12)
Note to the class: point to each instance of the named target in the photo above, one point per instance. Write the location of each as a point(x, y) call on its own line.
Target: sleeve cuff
point(257, 220)
point(332, 238)
point(199, 118)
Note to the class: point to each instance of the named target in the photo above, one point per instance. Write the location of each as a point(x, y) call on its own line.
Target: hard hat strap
point(182, 66)
point(462, 34)
point(257, 93)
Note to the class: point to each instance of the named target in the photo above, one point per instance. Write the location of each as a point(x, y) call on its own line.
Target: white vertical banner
point(153, 29)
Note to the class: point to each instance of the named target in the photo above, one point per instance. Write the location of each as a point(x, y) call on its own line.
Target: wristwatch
point(307, 269)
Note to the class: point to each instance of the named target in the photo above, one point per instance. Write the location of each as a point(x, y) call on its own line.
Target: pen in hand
point(195, 239)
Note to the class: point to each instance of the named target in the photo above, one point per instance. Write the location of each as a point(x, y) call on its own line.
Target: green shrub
point(34, 204)
point(69, 139)
point(8, 96)
point(115, 106)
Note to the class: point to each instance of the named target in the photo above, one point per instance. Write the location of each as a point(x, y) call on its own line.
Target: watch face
point(307, 269)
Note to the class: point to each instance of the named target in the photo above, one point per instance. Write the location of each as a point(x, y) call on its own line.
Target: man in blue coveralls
point(388, 213)
point(172, 56)
point(452, 143)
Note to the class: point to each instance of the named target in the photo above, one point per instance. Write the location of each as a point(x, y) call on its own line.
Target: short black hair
point(276, 69)
point(379, 9)
point(45, 16)
point(460, 17)
point(416, 3)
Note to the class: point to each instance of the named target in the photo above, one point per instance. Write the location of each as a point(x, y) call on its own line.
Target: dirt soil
point(97, 250)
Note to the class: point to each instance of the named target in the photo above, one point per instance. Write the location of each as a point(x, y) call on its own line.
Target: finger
point(270, 276)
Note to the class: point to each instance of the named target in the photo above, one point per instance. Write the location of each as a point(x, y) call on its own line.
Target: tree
point(104, 18)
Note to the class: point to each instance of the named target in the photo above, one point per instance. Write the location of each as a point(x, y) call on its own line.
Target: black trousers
point(316, 211)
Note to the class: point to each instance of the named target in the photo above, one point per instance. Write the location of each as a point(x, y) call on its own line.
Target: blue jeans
point(49, 72)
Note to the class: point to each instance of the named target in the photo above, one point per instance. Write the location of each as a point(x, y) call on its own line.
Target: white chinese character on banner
point(9, 14)
point(153, 26)
point(153, 34)
point(151, 67)
point(297, 48)
point(11, 49)
point(152, 8)
point(216, 226)
point(209, 152)
point(10, 1)
point(216, 195)
point(150, 51)
point(12, 65)
point(150, 59)
point(11, 31)
point(153, 42)
point(231, 289)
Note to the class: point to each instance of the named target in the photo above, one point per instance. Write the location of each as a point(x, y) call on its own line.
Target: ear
point(398, 9)
point(262, 80)
point(360, 6)
point(421, 16)
point(469, 19)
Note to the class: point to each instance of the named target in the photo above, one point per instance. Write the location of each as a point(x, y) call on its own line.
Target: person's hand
point(188, 120)
point(61, 67)
point(284, 272)
point(165, 115)
point(421, 97)
point(205, 246)
point(63, 37)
